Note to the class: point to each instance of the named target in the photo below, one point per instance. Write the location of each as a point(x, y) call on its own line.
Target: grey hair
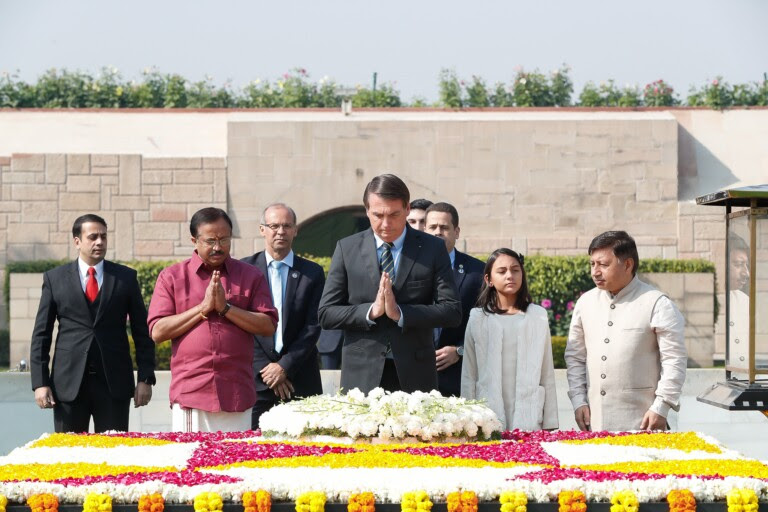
point(277, 205)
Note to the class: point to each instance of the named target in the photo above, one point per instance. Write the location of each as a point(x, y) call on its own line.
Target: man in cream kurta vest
point(626, 354)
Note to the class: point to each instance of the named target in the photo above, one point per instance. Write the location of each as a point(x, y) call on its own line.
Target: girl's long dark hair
point(488, 299)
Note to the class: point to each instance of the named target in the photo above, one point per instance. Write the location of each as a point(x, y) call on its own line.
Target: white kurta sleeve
point(576, 360)
point(669, 325)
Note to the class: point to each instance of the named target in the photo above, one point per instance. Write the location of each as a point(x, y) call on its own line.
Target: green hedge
point(558, 350)
point(554, 281)
point(296, 89)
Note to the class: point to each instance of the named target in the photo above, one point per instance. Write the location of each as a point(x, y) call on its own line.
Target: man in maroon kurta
point(210, 306)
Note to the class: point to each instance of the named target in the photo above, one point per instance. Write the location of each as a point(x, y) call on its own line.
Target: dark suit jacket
point(298, 356)
point(425, 291)
point(63, 300)
point(468, 273)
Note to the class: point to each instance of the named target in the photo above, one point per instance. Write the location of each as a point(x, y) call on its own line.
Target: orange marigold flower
point(572, 501)
point(43, 503)
point(151, 503)
point(363, 502)
point(681, 501)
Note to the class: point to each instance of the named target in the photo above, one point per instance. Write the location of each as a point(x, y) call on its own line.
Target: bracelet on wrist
point(202, 315)
point(224, 311)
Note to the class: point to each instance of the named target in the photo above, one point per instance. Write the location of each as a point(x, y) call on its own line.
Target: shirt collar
point(197, 263)
point(288, 260)
point(624, 291)
point(452, 256)
point(397, 244)
point(83, 267)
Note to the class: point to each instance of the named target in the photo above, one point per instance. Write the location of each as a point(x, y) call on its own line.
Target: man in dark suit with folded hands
point(285, 365)
point(388, 288)
point(92, 372)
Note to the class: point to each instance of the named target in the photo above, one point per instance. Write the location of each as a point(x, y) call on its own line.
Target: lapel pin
point(295, 275)
point(461, 268)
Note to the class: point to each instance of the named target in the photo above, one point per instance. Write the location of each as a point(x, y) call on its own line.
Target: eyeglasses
point(276, 227)
point(213, 242)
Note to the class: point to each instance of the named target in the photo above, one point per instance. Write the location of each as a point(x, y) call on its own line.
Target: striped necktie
point(387, 262)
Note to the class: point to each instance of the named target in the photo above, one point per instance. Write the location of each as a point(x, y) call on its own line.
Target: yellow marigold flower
point(312, 501)
point(363, 502)
point(249, 501)
point(416, 501)
point(698, 467)
point(151, 503)
point(95, 441)
point(208, 502)
point(681, 501)
point(97, 503)
point(513, 501)
point(263, 501)
point(684, 441)
point(742, 500)
point(48, 472)
point(453, 502)
point(572, 501)
point(624, 501)
point(468, 501)
point(3, 502)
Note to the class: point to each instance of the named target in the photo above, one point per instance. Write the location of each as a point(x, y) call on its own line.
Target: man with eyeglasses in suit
point(285, 365)
point(210, 306)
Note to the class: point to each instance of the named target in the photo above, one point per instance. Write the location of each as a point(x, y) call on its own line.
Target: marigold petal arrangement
point(568, 467)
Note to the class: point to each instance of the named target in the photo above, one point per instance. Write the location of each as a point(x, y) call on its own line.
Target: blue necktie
point(387, 262)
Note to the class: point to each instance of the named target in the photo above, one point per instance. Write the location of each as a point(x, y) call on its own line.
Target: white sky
point(407, 42)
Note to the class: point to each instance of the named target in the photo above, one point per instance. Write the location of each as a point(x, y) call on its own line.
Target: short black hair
point(389, 187)
point(488, 299)
point(207, 216)
point(621, 243)
point(420, 204)
point(77, 227)
point(445, 208)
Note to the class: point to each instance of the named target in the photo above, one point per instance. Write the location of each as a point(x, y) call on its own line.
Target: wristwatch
point(224, 311)
point(460, 350)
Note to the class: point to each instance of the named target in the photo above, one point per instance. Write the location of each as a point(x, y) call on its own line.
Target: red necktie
point(91, 287)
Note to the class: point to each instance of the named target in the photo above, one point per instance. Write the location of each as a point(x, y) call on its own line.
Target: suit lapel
point(459, 272)
point(107, 287)
point(261, 264)
point(76, 287)
point(370, 257)
point(411, 248)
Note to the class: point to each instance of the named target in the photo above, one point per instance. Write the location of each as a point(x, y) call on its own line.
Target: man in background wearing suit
point(443, 222)
point(417, 216)
point(92, 372)
point(285, 365)
point(388, 288)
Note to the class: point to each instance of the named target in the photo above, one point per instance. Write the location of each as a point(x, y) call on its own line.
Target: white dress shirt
point(83, 272)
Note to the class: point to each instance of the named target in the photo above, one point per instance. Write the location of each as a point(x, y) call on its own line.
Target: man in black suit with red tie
point(442, 221)
point(286, 364)
point(92, 371)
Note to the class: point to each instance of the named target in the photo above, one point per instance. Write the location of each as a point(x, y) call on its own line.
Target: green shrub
point(555, 282)
point(558, 350)
point(162, 355)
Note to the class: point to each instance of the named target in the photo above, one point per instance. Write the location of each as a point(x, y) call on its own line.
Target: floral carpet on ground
point(180, 466)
